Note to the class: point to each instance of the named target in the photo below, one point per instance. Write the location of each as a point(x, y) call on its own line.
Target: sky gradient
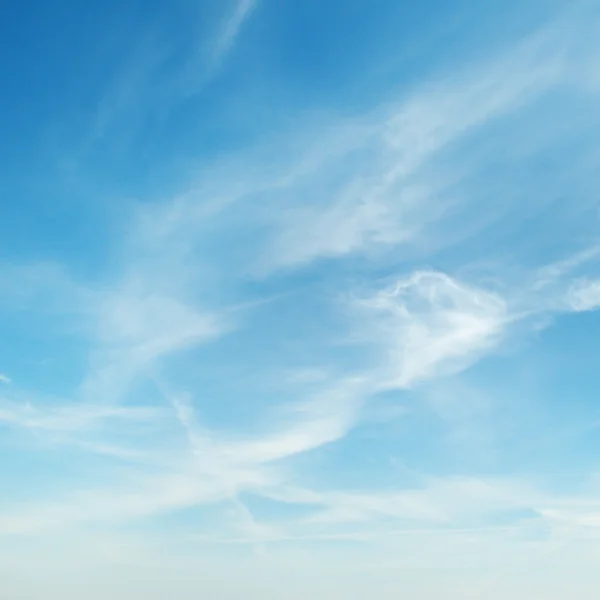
point(299, 299)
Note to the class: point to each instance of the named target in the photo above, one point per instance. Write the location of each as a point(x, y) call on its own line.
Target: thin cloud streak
point(231, 30)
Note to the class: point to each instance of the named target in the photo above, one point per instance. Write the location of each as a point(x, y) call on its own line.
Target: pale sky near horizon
point(299, 298)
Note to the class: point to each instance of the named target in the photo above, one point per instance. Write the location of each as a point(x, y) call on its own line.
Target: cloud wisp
point(434, 325)
point(584, 296)
point(231, 29)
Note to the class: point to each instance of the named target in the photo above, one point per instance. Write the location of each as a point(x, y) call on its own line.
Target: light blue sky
point(299, 299)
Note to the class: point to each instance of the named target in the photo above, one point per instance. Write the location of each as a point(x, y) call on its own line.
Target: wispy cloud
point(215, 470)
point(392, 195)
point(158, 73)
point(381, 182)
point(437, 502)
point(231, 29)
point(584, 295)
point(430, 324)
point(136, 328)
point(325, 418)
point(69, 418)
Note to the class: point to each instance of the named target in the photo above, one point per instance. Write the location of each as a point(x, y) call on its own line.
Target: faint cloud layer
point(231, 29)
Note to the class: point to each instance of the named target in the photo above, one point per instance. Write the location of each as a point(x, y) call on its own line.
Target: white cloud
point(325, 418)
point(215, 468)
point(584, 295)
point(439, 502)
point(361, 183)
point(557, 271)
point(390, 198)
point(70, 417)
point(430, 325)
point(231, 29)
point(131, 331)
point(373, 184)
point(134, 329)
point(154, 495)
point(152, 78)
point(152, 324)
point(5, 379)
point(46, 287)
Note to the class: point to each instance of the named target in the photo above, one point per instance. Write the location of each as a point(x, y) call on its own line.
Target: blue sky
point(299, 299)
